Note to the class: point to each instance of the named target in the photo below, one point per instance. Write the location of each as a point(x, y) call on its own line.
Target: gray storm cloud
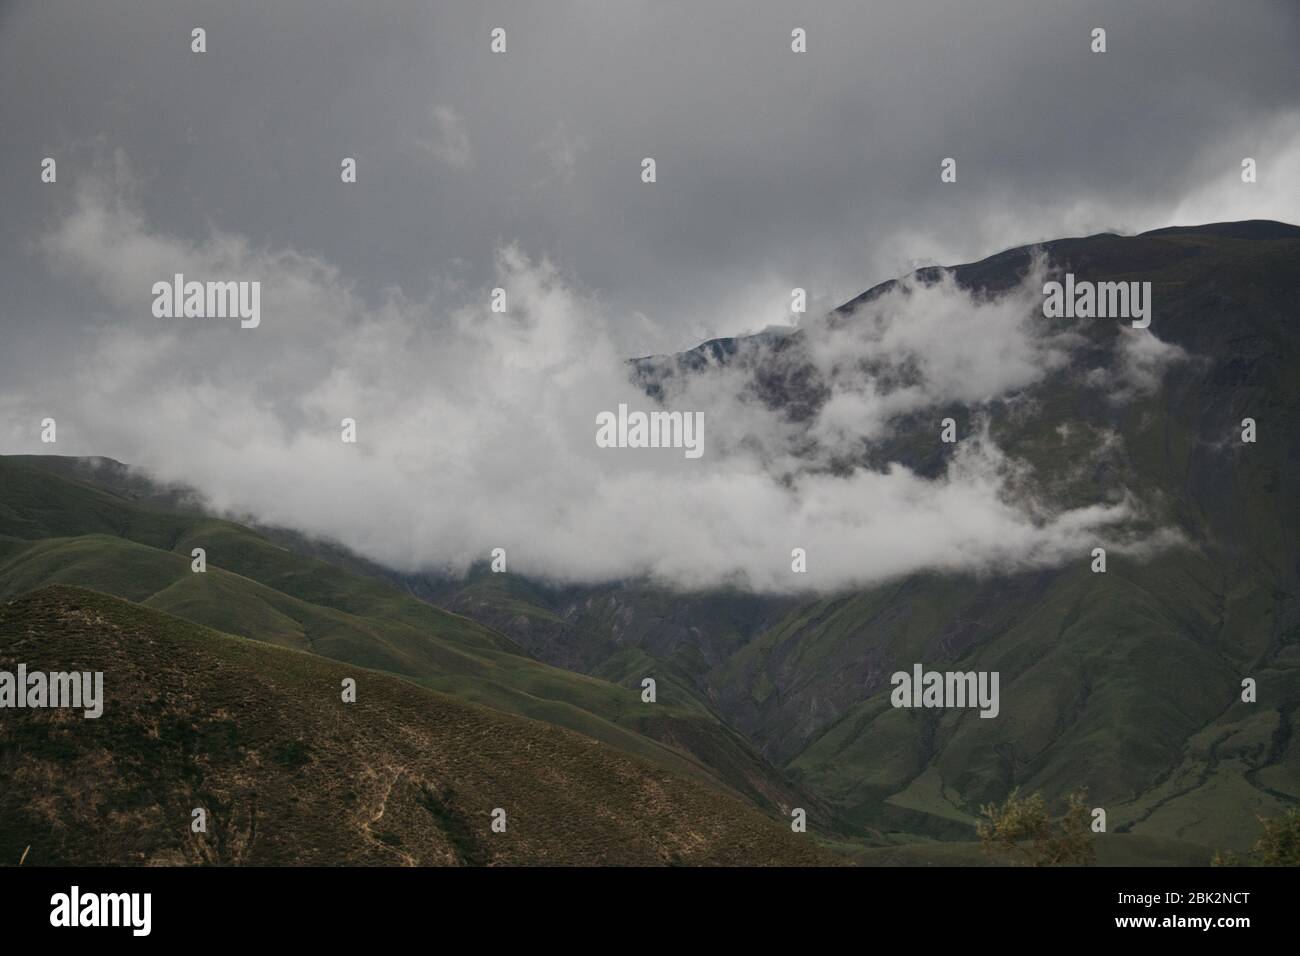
point(776, 169)
point(521, 170)
point(476, 428)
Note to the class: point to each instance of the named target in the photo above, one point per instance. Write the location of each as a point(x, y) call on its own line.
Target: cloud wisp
point(475, 428)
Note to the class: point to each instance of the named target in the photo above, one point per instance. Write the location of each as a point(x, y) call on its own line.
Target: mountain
point(84, 524)
point(1126, 684)
point(259, 738)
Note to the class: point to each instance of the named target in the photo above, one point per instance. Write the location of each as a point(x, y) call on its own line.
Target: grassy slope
point(289, 774)
point(55, 528)
point(1125, 683)
point(593, 640)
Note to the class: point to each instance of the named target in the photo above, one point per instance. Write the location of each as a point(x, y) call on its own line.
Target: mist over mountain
point(475, 428)
point(604, 436)
point(1120, 682)
point(975, 555)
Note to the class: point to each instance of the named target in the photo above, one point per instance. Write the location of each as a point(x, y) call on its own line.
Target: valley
point(1122, 679)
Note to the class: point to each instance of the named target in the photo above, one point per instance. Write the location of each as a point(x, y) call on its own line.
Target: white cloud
point(1141, 360)
point(476, 429)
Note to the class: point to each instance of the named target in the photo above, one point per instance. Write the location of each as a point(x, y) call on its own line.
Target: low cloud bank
point(476, 429)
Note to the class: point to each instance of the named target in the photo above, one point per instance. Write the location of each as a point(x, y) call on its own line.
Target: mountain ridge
point(1126, 683)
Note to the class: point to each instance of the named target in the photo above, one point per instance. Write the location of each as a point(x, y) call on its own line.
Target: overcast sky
point(775, 170)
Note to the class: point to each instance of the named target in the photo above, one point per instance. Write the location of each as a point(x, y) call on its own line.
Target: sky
point(523, 170)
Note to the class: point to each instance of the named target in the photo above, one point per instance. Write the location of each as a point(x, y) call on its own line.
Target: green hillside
point(1125, 683)
point(288, 774)
point(59, 529)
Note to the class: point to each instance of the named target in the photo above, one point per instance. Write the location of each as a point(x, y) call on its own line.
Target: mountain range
point(497, 690)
